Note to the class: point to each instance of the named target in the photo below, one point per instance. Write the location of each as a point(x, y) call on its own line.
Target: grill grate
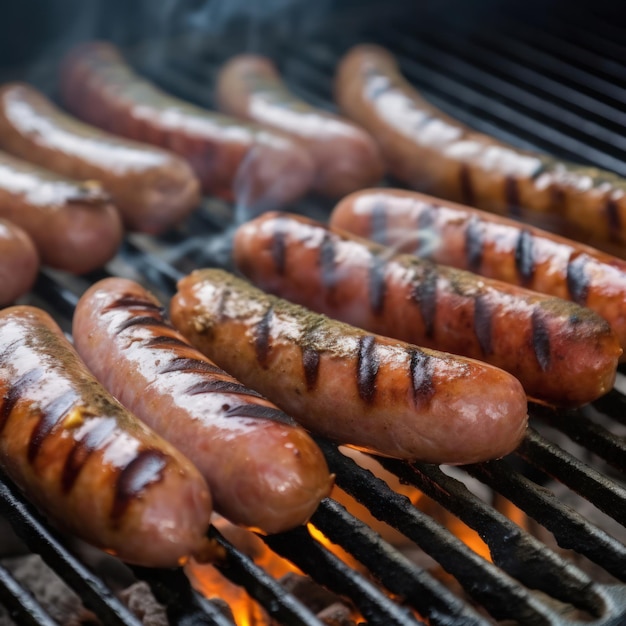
point(535, 80)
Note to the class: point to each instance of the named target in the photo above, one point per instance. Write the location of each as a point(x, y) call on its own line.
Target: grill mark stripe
point(421, 369)
point(141, 320)
point(145, 469)
point(166, 340)
point(258, 411)
point(465, 182)
point(577, 279)
point(474, 244)
point(279, 246)
point(525, 256)
point(614, 222)
point(220, 386)
point(262, 336)
point(95, 439)
point(425, 294)
point(310, 365)
point(14, 393)
point(185, 364)
point(367, 368)
point(541, 340)
point(483, 316)
point(50, 416)
point(327, 261)
point(511, 195)
point(377, 284)
point(425, 229)
point(129, 300)
point(378, 222)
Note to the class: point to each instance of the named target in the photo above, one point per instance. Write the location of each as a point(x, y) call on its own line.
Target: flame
point(212, 584)
point(247, 612)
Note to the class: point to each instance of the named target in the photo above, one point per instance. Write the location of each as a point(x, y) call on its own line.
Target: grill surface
point(549, 79)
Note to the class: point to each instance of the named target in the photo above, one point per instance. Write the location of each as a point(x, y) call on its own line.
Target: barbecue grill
point(551, 78)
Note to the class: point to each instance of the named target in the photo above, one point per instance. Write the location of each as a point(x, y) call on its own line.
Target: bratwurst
point(346, 158)
point(91, 466)
point(75, 226)
point(263, 470)
point(152, 188)
point(489, 245)
point(434, 153)
point(349, 385)
point(562, 353)
point(257, 167)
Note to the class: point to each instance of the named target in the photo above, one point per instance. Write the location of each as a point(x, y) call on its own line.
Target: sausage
point(234, 160)
point(263, 470)
point(91, 466)
point(562, 353)
point(434, 153)
point(344, 383)
point(346, 158)
point(152, 188)
point(490, 245)
point(19, 262)
point(75, 226)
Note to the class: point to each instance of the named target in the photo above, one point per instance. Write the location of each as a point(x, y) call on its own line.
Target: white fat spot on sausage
point(123, 452)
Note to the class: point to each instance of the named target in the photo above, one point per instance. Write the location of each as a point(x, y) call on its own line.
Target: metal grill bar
point(324, 567)
point(29, 525)
point(262, 587)
point(401, 576)
point(495, 590)
point(605, 494)
point(20, 602)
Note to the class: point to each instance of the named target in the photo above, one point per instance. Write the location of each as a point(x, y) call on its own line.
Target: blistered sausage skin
point(263, 470)
point(91, 466)
point(434, 153)
point(346, 158)
point(490, 245)
point(19, 262)
point(562, 353)
point(349, 385)
point(152, 188)
point(75, 226)
point(234, 160)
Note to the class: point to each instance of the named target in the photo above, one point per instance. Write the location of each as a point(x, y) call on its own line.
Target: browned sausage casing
point(434, 153)
point(19, 262)
point(74, 226)
point(85, 461)
point(152, 188)
point(263, 470)
point(561, 352)
point(490, 245)
point(349, 385)
point(234, 160)
point(346, 158)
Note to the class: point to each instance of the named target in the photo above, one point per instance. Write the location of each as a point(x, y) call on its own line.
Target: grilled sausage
point(263, 470)
point(152, 188)
point(561, 352)
point(434, 153)
point(346, 384)
point(346, 158)
point(490, 245)
point(233, 160)
point(91, 466)
point(19, 262)
point(74, 226)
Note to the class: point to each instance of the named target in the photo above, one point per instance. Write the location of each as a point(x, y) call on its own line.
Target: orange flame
point(247, 612)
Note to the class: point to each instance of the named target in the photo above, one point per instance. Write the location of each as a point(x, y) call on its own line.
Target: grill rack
point(542, 96)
